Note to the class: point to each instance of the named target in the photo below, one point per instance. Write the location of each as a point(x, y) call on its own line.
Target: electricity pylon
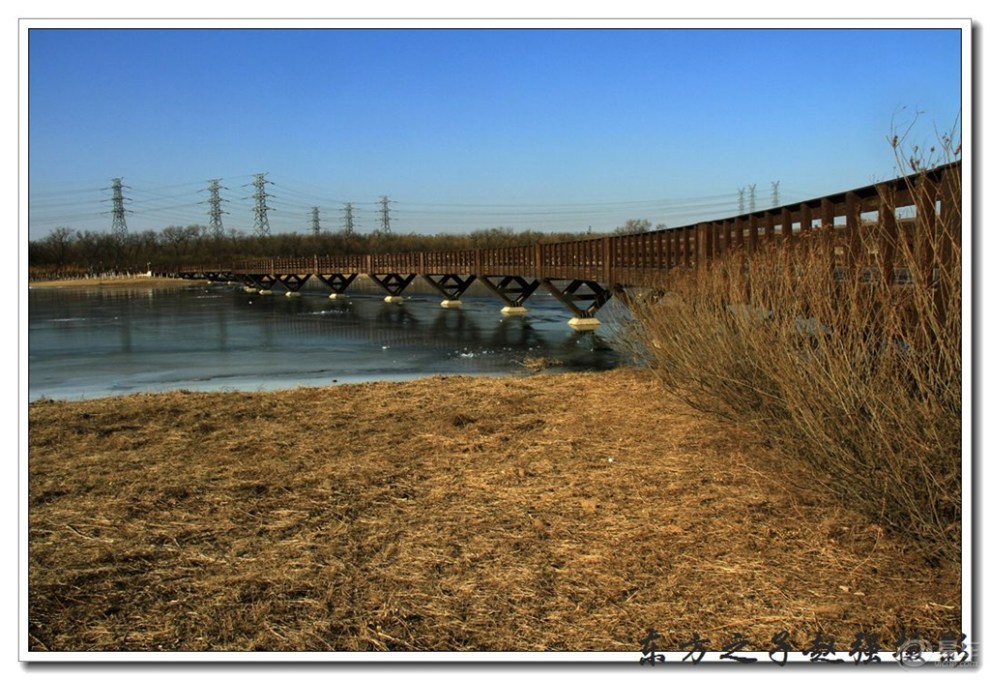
point(119, 225)
point(261, 227)
point(216, 212)
point(384, 216)
point(315, 220)
point(348, 219)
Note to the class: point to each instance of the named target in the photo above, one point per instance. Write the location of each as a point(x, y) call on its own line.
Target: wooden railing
point(866, 218)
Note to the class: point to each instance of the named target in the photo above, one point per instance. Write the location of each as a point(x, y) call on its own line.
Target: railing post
point(786, 225)
point(887, 231)
point(828, 228)
point(948, 232)
point(924, 229)
point(702, 244)
point(828, 215)
point(607, 260)
point(804, 217)
point(854, 239)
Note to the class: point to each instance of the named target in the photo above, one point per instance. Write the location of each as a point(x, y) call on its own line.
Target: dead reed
point(848, 357)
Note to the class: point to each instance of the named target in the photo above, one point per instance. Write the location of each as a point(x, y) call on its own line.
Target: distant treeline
point(67, 252)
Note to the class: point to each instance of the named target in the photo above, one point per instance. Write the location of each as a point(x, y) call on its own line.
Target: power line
point(172, 202)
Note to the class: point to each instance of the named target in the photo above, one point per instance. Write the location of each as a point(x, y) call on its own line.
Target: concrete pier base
point(249, 289)
point(293, 293)
point(394, 298)
point(584, 323)
point(451, 304)
point(265, 291)
point(512, 311)
point(337, 296)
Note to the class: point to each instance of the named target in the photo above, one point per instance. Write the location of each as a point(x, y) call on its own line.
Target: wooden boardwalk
point(583, 274)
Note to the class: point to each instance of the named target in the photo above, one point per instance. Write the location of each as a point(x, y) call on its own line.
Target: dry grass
point(554, 512)
point(859, 375)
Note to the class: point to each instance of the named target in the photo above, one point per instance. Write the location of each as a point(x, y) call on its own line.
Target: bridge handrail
point(632, 258)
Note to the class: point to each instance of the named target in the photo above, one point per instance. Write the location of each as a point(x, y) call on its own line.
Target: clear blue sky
point(557, 130)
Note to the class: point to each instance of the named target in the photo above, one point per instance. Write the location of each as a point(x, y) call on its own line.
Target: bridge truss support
point(293, 282)
point(451, 287)
point(583, 297)
point(337, 283)
point(219, 276)
point(259, 283)
point(571, 297)
point(393, 284)
point(513, 290)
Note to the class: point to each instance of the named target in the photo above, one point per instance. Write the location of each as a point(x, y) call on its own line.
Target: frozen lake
point(93, 342)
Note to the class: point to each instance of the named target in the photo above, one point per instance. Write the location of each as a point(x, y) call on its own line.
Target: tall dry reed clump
point(851, 361)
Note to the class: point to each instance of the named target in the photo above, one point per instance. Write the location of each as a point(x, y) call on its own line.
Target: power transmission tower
point(119, 226)
point(216, 212)
point(384, 215)
point(315, 220)
point(752, 198)
point(348, 219)
point(261, 227)
point(742, 201)
point(775, 200)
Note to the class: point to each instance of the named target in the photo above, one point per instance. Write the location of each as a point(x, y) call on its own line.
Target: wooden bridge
point(584, 274)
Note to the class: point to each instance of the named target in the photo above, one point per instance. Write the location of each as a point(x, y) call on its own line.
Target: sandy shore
point(555, 512)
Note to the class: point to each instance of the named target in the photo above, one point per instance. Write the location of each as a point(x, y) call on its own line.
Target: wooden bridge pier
point(393, 284)
point(259, 283)
point(513, 291)
point(337, 283)
point(219, 277)
point(293, 282)
point(450, 286)
point(584, 317)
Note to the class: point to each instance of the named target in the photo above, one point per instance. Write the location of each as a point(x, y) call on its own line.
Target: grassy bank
point(564, 512)
point(122, 281)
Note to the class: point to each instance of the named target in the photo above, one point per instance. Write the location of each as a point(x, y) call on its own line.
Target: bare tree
point(634, 227)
